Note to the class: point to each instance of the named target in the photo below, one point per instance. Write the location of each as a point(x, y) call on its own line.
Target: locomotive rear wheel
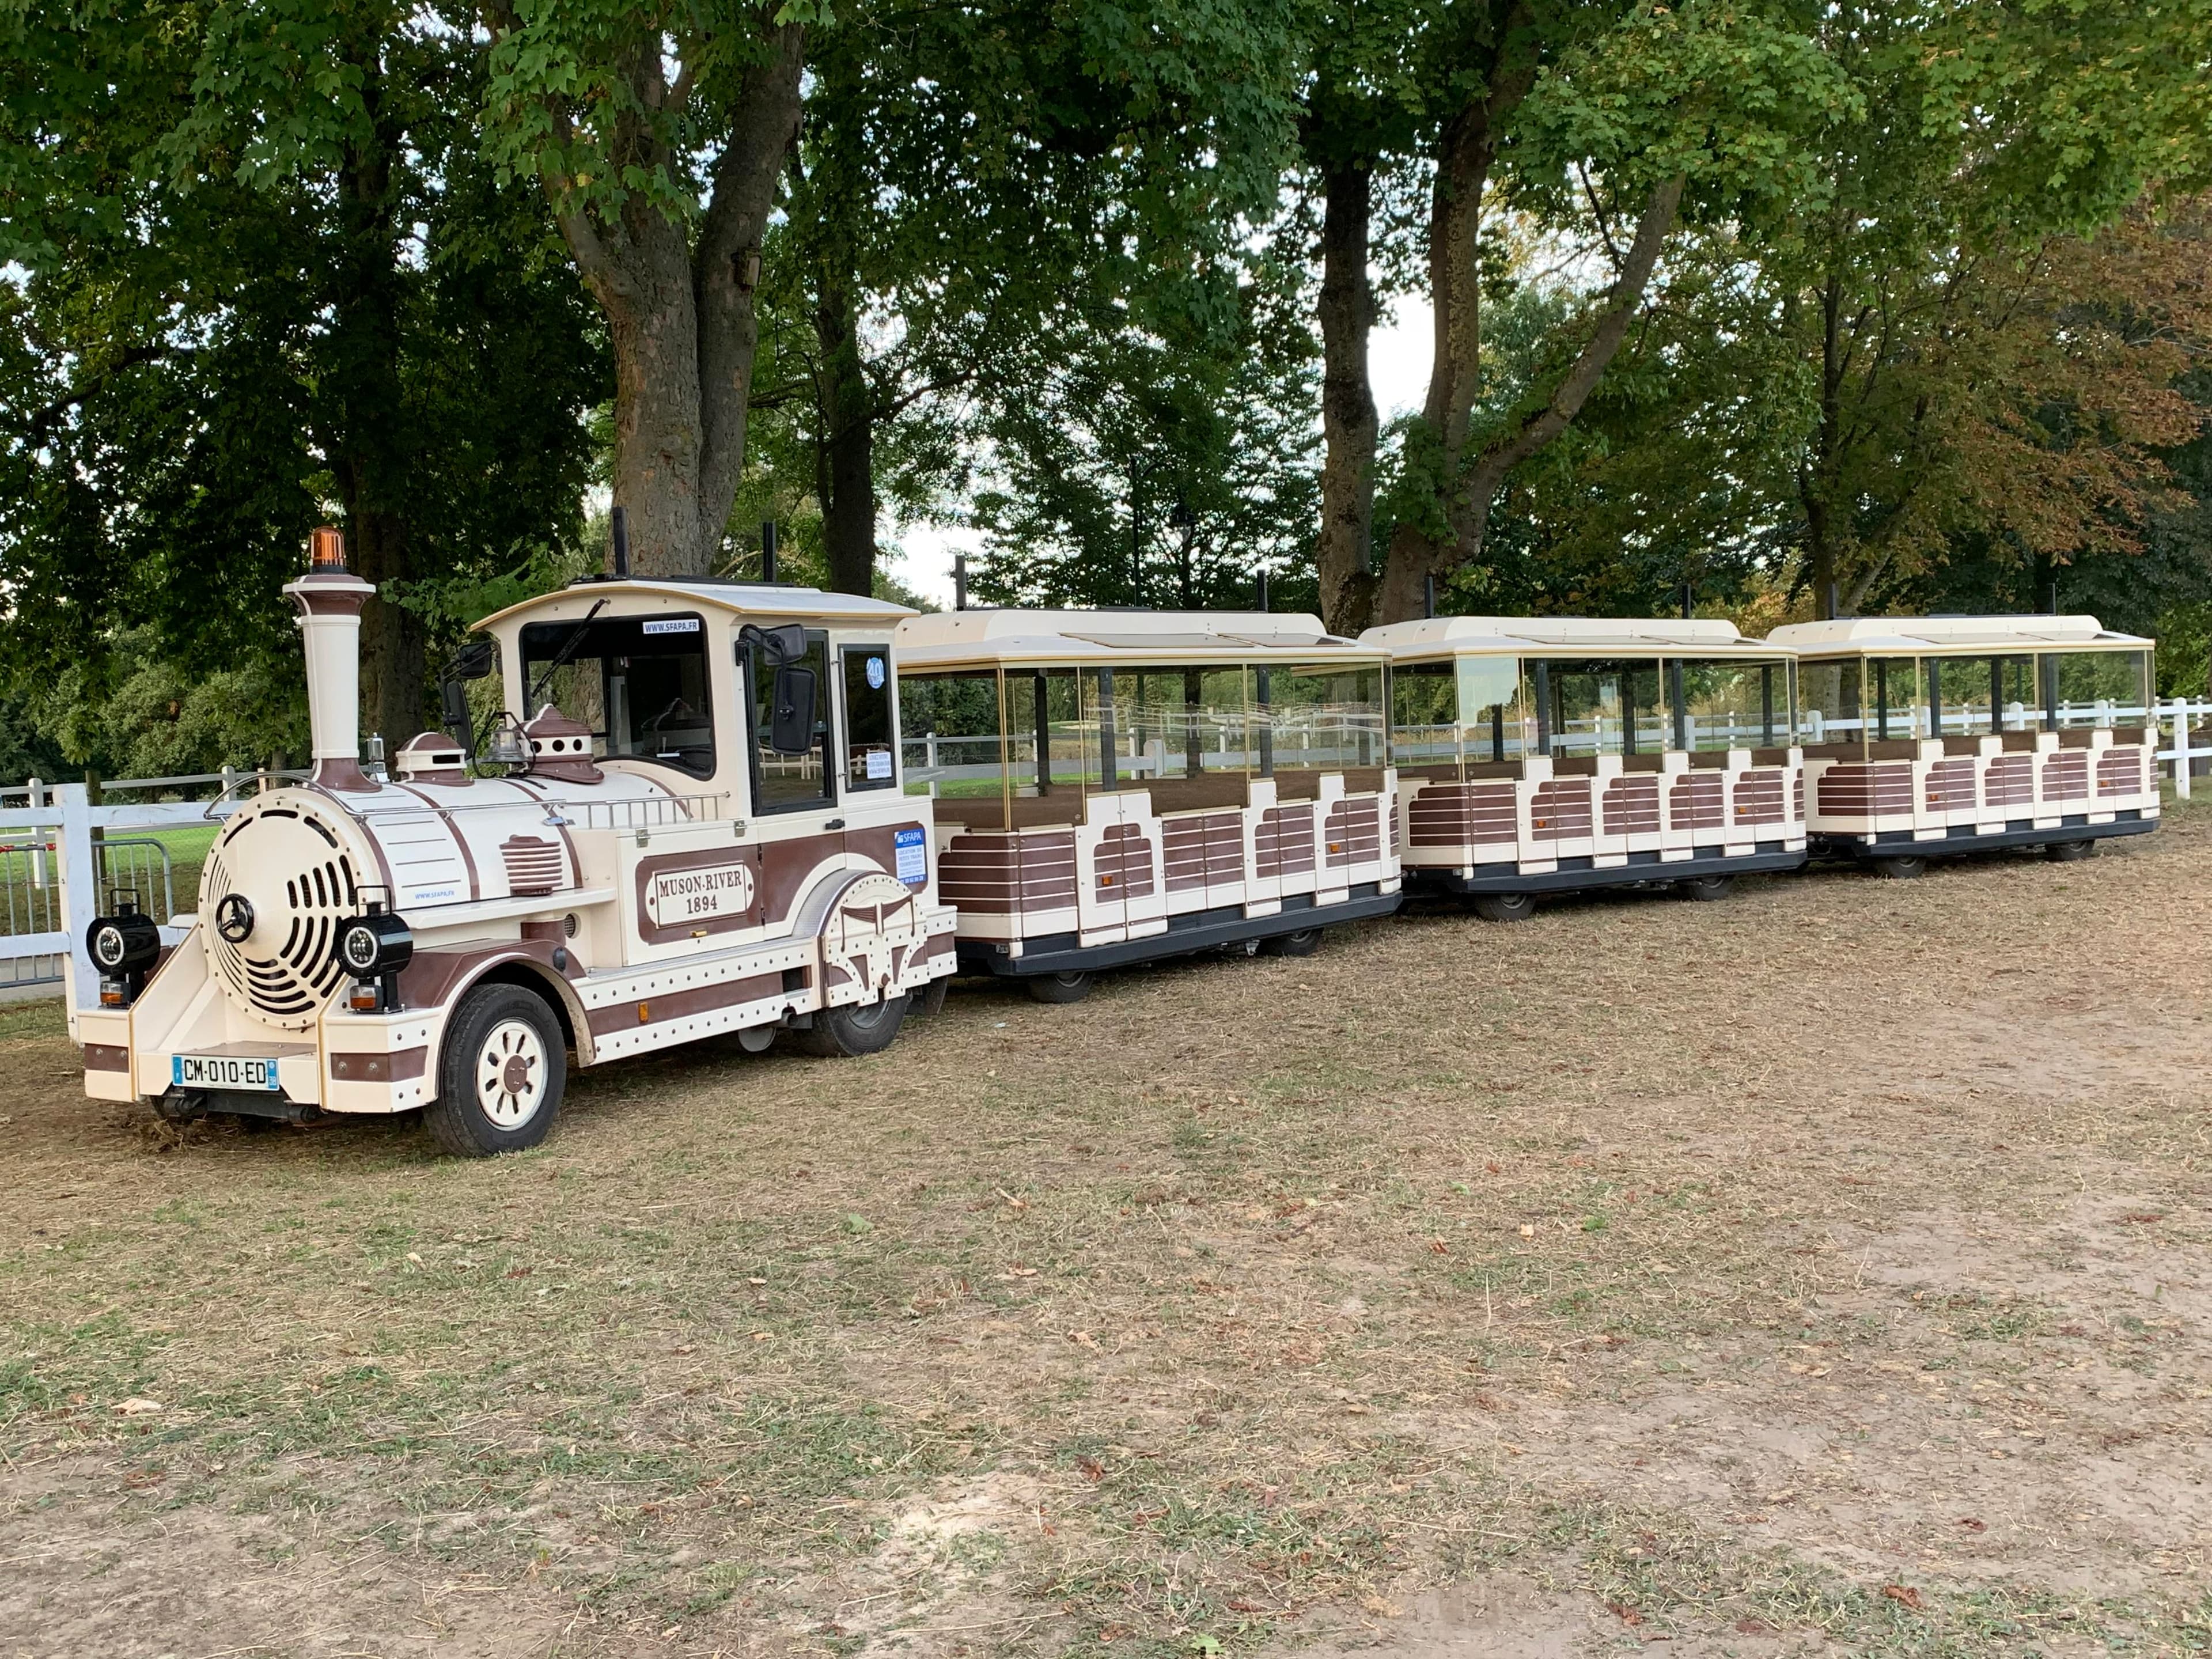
point(2066, 851)
point(1304, 943)
point(1901, 869)
point(1707, 889)
point(856, 1029)
point(500, 1076)
point(1060, 987)
point(1504, 907)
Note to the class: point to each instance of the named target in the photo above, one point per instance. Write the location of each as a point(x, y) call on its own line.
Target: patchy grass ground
point(1823, 1271)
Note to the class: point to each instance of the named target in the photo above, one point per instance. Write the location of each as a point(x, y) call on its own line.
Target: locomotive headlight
point(374, 947)
point(120, 946)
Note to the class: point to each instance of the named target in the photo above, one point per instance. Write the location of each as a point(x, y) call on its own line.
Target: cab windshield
point(640, 683)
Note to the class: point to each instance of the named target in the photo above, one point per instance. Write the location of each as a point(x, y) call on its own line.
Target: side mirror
point(775, 645)
point(472, 661)
point(791, 727)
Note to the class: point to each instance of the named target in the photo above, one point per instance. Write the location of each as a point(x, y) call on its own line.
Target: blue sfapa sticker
point(912, 862)
point(876, 674)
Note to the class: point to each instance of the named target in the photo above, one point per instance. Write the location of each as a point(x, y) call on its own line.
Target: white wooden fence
point(56, 830)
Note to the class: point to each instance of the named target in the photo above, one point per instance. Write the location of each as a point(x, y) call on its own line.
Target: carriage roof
point(983, 638)
point(1611, 636)
point(777, 600)
point(1906, 637)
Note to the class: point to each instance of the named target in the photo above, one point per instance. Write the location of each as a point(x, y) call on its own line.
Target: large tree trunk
point(680, 314)
point(1414, 556)
point(365, 430)
point(847, 438)
point(1344, 554)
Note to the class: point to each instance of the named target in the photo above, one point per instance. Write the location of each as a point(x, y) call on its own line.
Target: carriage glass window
point(1895, 712)
point(2102, 688)
point(1729, 704)
point(1324, 717)
point(1424, 714)
point(783, 782)
point(1828, 712)
point(1604, 709)
point(640, 683)
point(949, 732)
point(868, 753)
point(1176, 722)
point(1493, 709)
point(1051, 749)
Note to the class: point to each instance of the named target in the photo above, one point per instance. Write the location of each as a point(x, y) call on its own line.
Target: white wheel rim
point(511, 1073)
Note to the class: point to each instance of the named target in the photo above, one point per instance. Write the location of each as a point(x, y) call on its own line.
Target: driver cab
point(773, 706)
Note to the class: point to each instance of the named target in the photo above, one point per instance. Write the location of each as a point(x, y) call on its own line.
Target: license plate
point(222, 1072)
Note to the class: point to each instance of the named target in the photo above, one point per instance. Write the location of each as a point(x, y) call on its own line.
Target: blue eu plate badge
point(913, 863)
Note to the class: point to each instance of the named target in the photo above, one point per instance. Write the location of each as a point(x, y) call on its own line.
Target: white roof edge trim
point(737, 598)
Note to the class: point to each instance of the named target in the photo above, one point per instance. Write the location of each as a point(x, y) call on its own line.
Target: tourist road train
point(697, 809)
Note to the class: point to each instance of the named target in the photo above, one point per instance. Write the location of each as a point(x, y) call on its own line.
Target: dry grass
point(1824, 1269)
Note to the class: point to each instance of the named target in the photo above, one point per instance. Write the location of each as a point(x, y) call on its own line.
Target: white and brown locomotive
point(686, 822)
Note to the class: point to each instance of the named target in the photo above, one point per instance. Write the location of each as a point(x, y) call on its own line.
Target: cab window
point(640, 683)
point(783, 782)
point(870, 753)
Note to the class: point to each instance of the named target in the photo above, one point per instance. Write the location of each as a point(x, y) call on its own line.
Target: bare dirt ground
point(1825, 1271)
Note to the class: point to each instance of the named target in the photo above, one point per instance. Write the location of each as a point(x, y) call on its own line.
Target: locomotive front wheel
point(2066, 851)
point(1504, 907)
point(1901, 869)
point(1304, 943)
point(502, 1075)
point(1060, 988)
point(1707, 889)
point(865, 1028)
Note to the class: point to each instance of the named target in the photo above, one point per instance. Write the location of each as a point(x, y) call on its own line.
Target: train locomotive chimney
point(330, 597)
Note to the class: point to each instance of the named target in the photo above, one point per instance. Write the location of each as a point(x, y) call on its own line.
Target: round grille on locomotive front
point(280, 880)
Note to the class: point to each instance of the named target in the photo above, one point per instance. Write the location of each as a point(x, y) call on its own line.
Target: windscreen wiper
point(567, 649)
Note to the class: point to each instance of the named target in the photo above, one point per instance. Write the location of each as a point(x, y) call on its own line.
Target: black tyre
point(1504, 907)
point(2069, 852)
point(1707, 889)
point(1060, 988)
point(1304, 943)
point(859, 1028)
point(1907, 868)
point(500, 1075)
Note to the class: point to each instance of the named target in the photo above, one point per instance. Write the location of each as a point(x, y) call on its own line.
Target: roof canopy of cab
point(652, 666)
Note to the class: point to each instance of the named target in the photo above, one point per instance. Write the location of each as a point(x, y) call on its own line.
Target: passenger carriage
point(1541, 755)
point(1111, 787)
point(686, 820)
point(1930, 736)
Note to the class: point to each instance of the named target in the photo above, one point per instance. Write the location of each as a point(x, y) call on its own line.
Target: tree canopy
point(1798, 307)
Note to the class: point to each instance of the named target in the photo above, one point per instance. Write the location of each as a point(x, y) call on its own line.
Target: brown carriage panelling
point(1951, 785)
point(1631, 805)
point(1285, 841)
point(2119, 771)
point(1865, 792)
point(994, 874)
point(1758, 797)
point(107, 1057)
point(1198, 850)
point(1125, 862)
point(1698, 801)
point(1353, 832)
point(981, 872)
point(2009, 781)
point(1559, 810)
point(1797, 798)
point(2065, 775)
